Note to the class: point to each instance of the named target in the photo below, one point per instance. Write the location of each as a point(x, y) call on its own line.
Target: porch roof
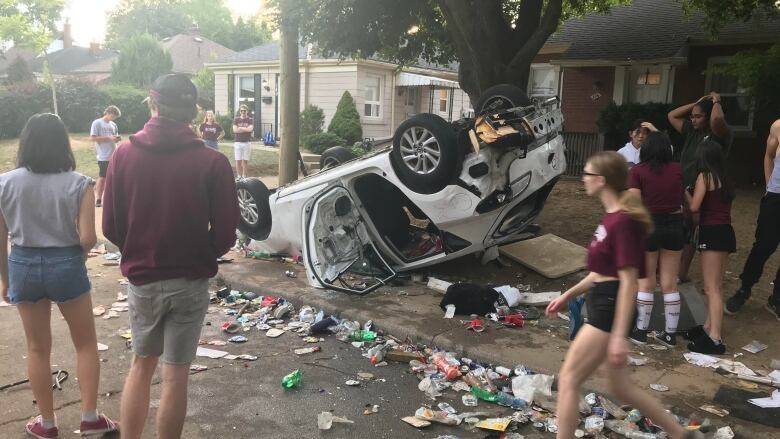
point(406, 79)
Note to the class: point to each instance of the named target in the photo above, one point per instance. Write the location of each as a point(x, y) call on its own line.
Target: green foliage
point(615, 121)
point(204, 81)
point(141, 60)
point(19, 71)
point(226, 122)
point(80, 102)
point(20, 101)
point(129, 99)
point(718, 13)
point(346, 121)
point(312, 120)
point(757, 70)
point(318, 143)
point(29, 23)
point(168, 18)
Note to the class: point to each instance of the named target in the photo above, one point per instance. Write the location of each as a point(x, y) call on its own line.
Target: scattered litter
point(352, 383)
point(770, 402)
point(443, 406)
point(365, 376)
point(102, 347)
point(311, 350)
point(111, 314)
point(714, 410)
point(371, 409)
point(450, 311)
point(495, 424)
point(217, 343)
point(538, 299)
point(312, 339)
point(293, 379)
point(247, 357)
point(209, 353)
point(198, 367)
point(438, 285)
point(237, 339)
point(775, 375)
point(469, 400)
point(230, 328)
point(754, 347)
point(659, 387)
point(658, 347)
point(273, 332)
point(121, 297)
point(724, 433)
point(441, 417)
point(525, 387)
point(98, 310)
point(633, 361)
point(731, 366)
point(325, 420)
point(416, 422)
point(775, 364)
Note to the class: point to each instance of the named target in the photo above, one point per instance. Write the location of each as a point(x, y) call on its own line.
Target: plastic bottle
point(484, 394)
point(445, 367)
point(377, 353)
point(507, 400)
point(362, 335)
point(258, 255)
point(293, 379)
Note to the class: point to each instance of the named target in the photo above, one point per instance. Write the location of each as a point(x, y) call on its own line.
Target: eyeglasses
point(590, 174)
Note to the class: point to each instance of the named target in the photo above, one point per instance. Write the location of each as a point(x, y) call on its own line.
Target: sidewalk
point(413, 311)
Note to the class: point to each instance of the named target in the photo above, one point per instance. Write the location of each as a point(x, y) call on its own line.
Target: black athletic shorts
point(600, 302)
point(717, 237)
point(668, 233)
point(103, 166)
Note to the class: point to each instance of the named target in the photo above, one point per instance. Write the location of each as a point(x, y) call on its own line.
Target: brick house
point(649, 52)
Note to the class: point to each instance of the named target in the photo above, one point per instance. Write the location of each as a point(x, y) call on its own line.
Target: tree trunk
point(290, 102)
point(50, 79)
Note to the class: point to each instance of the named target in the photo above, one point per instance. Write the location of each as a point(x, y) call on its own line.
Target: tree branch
point(546, 27)
point(528, 20)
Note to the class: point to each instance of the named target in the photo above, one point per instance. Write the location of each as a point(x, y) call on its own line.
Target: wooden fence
point(580, 146)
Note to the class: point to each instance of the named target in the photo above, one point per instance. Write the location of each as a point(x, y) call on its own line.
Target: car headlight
point(520, 185)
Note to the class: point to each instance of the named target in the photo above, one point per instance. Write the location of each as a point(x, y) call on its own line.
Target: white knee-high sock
point(672, 305)
point(644, 309)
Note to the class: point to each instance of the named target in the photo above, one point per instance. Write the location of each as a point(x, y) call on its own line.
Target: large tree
point(493, 40)
point(141, 60)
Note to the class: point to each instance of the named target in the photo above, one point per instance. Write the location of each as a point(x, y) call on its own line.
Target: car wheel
point(254, 207)
point(335, 156)
point(501, 97)
point(425, 153)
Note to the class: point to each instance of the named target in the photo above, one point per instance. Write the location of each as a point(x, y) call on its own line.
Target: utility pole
point(291, 95)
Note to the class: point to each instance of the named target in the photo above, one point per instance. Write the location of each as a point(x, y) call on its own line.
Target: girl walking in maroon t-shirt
point(616, 260)
point(711, 200)
point(658, 180)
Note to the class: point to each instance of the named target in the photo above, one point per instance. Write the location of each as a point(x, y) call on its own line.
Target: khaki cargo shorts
point(166, 318)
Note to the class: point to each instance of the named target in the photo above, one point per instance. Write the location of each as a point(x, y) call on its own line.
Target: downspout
point(392, 106)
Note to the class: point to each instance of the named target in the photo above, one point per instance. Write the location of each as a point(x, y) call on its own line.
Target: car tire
point(501, 97)
point(253, 203)
point(335, 156)
point(416, 143)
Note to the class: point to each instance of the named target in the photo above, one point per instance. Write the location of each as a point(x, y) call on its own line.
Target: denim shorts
point(213, 144)
point(166, 318)
point(54, 273)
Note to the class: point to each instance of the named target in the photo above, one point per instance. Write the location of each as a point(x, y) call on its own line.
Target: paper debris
point(659, 387)
point(633, 361)
point(731, 366)
point(438, 285)
point(538, 299)
point(198, 367)
point(724, 433)
point(352, 383)
point(111, 314)
point(495, 424)
point(417, 423)
point(209, 353)
point(450, 311)
point(273, 332)
point(102, 347)
point(770, 402)
point(754, 347)
point(98, 310)
point(714, 410)
point(775, 375)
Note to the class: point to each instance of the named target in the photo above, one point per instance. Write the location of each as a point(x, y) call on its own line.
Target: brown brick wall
point(579, 110)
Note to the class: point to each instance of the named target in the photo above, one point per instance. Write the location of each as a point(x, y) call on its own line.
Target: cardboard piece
point(548, 255)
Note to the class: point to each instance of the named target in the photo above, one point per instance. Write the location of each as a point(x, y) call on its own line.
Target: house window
point(373, 104)
point(648, 78)
point(542, 81)
point(444, 100)
point(736, 101)
point(245, 92)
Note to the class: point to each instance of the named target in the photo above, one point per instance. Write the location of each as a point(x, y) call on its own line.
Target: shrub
point(318, 143)
point(346, 120)
point(79, 103)
point(129, 99)
point(20, 101)
point(226, 122)
point(312, 120)
point(615, 121)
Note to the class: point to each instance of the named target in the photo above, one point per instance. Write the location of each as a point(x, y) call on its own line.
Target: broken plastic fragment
point(325, 420)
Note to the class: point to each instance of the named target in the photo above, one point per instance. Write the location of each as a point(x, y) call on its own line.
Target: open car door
point(339, 252)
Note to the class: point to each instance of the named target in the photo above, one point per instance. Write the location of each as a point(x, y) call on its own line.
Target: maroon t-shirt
point(243, 122)
point(661, 193)
point(714, 210)
point(210, 131)
point(619, 242)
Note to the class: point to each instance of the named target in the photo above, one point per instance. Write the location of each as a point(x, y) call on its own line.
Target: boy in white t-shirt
point(105, 134)
point(637, 134)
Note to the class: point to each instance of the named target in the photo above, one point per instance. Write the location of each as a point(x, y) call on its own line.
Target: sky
point(88, 17)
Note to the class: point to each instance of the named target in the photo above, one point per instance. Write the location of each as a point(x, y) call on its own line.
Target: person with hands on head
point(636, 135)
point(616, 260)
point(698, 121)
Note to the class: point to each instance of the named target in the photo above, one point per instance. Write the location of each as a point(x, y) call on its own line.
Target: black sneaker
point(638, 336)
point(774, 308)
point(693, 333)
point(705, 345)
point(666, 339)
point(735, 302)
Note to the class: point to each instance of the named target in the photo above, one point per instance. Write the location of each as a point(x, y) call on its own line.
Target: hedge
point(615, 120)
point(318, 143)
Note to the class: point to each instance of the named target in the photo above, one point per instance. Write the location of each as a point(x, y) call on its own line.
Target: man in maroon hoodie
point(170, 206)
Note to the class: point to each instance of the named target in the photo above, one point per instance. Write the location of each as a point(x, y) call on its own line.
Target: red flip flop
point(515, 320)
point(475, 325)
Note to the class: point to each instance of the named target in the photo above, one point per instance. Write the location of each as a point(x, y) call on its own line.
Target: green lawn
point(263, 163)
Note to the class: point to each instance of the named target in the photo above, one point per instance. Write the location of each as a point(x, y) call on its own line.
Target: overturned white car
point(443, 190)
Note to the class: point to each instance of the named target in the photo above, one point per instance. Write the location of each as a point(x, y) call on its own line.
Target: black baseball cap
point(174, 90)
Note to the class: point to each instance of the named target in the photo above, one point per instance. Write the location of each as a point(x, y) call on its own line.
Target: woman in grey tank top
point(49, 215)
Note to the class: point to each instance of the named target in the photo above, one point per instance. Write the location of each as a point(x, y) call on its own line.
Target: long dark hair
point(711, 163)
point(706, 107)
point(656, 151)
point(44, 146)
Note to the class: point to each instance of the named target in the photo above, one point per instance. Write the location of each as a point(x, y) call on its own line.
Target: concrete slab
point(692, 313)
point(548, 255)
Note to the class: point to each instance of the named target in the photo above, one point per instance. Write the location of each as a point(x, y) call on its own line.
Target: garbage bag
point(472, 299)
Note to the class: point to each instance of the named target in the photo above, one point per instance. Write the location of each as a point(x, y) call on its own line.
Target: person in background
point(49, 213)
point(658, 181)
point(703, 119)
point(105, 134)
point(210, 131)
point(636, 134)
point(243, 126)
point(171, 208)
point(767, 232)
point(615, 261)
point(711, 200)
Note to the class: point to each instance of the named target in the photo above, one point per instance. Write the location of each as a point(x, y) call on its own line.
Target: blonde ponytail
point(631, 204)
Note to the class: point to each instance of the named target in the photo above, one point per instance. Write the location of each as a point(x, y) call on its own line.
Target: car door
point(340, 253)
